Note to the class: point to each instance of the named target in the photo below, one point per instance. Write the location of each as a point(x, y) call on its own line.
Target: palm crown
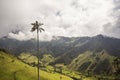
point(36, 27)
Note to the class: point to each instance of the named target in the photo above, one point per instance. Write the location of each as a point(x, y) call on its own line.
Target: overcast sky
point(71, 18)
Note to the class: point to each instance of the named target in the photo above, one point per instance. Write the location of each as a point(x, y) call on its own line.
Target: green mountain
point(98, 51)
point(11, 68)
point(99, 63)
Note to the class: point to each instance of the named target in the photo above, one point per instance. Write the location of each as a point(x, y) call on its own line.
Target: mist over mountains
point(64, 45)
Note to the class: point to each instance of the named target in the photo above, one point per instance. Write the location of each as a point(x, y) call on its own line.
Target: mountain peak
point(100, 35)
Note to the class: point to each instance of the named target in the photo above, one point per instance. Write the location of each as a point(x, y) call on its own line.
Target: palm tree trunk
point(38, 53)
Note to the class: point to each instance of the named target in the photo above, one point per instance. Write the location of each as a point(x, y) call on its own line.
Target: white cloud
point(60, 17)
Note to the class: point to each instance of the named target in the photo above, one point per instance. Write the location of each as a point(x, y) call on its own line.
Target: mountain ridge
point(65, 50)
point(62, 45)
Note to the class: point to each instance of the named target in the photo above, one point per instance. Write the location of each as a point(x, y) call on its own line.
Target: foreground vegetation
point(62, 69)
point(13, 69)
point(20, 68)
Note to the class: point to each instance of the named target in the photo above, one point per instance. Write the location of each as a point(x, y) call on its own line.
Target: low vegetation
point(13, 69)
point(21, 68)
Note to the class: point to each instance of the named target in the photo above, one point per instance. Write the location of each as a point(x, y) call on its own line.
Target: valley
point(77, 58)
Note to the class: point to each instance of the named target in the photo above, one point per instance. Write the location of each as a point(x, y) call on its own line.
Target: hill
point(94, 44)
point(13, 69)
point(98, 63)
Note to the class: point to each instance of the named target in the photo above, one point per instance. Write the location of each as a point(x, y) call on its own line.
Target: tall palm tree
point(36, 26)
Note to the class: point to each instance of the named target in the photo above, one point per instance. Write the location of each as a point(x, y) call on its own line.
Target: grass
point(13, 69)
point(85, 61)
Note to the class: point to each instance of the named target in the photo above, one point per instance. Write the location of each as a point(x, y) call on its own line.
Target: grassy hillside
point(13, 69)
point(31, 59)
point(93, 62)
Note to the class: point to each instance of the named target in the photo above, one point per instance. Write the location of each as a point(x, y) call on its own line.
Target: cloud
point(114, 29)
point(71, 18)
